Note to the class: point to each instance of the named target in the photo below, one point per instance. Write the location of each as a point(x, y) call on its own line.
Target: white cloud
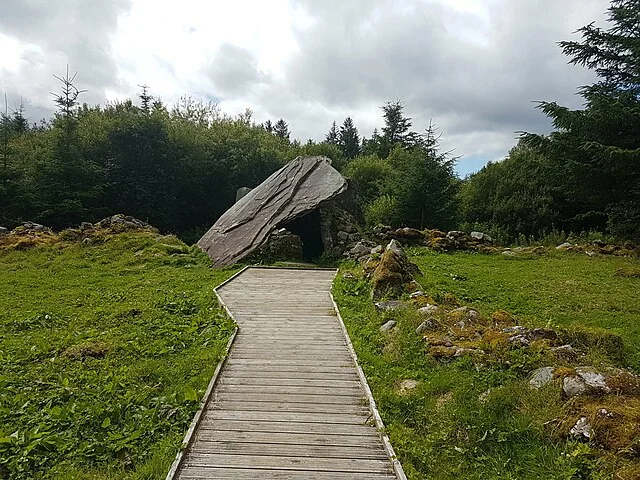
point(472, 66)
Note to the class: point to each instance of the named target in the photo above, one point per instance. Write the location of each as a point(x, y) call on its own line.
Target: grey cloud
point(60, 33)
point(234, 70)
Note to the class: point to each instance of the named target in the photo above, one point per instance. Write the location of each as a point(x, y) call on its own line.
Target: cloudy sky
point(474, 67)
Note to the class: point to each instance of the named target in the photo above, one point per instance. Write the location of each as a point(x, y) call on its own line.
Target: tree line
point(179, 167)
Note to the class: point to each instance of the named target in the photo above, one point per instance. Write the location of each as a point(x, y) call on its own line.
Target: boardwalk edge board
point(208, 394)
point(397, 466)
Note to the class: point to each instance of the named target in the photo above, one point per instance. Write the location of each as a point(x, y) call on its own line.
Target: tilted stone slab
point(296, 189)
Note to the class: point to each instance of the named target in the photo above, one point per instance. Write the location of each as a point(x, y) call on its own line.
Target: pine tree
point(348, 139)
point(396, 125)
point(281, 129)
point(268, 126)
point(332, 136)
point(146, 100)
point(596, 150)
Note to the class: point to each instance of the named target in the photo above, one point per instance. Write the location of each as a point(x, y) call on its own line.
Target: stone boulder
point(393, 274)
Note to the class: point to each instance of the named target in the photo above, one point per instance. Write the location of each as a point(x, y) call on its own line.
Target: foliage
point(105, 351)
point(382, 211)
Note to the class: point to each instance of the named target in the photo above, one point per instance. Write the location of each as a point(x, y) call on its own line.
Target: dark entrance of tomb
point(307, 227)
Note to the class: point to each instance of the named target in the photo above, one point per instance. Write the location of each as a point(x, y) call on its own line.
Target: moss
point(441, 352)
point(628, 272)
point(503, 318)
point(589, 338)
point(86, 350)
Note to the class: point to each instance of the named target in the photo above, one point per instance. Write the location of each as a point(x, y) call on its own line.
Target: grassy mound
point(106, 347)
point(474, 415)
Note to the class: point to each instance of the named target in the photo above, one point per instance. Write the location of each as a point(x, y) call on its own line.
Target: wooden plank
point(223, 473)
point(326, 418)
point(288, 382)
point(312, 374)
point(369, 441)
point(291, 398)
point(351, 392)
point(347, 465)
point(289, 450)
point(306, 407)
point(286, 427)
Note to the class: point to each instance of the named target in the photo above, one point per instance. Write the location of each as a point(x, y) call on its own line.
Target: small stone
point(564, 351)
point(389, 305)
point(417, 294)
point(518, 341)
point(344, 236)
point(509, 253)
point(407, 385)
point(395, 247)
point(582, 428)
point(518, 329)
point(86, 241)
point(477, 235)
point(359, 249)
point(543, 334)
point(593, 379)
point(563, 246)
point(86, 226)
point(348, 275)
point(541, 377)
point(388, 326)
point(430, 309)
point(424, 326)
point(573, 386)
point(377, 250)
point(455, 234)
point(4, 230)
point(604, 413)
point(590, 254)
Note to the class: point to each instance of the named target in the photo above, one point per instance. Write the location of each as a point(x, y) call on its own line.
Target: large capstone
point(295, 190)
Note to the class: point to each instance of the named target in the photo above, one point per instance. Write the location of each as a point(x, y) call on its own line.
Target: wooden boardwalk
point(290, 401)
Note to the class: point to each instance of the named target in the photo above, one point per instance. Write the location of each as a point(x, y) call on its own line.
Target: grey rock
point(388, 326)
point(518, 341)
point(574, 386)
point(543, 334)
point(359, 249)
point(563, 246)
point(582, 429)
point(296, 189)
point(564, 351)
point(354, 237)
point(604, 413)
point(593, 379)
point(509, 253)
point(86, 241)
point(430, 309)
point(395, 247)
point(541, 377)
point(242, 192)
point(480, 236)
point(377, 250)
point(518, 329)
point(424, 327)
point(86, 226)
point(4, 230)
point(455, 234)
point(417, 294)
point(590, 254)
point(343, 235)
point(389, 305)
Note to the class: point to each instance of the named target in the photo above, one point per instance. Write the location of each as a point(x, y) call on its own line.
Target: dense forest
point(179, 167)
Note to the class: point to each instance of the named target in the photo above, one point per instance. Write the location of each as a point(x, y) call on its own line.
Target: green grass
point(473, 421)
point(105, 353)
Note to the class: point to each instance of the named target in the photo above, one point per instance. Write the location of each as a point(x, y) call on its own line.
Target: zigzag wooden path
point(290, 402)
